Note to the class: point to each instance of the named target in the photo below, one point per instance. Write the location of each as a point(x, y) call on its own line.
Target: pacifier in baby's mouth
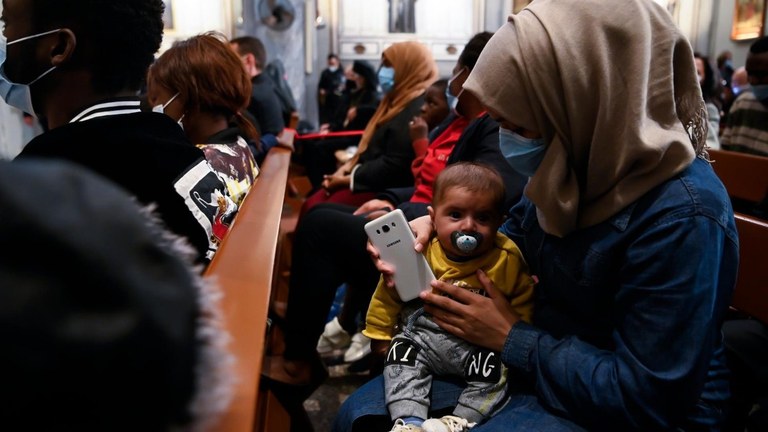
point(466, 241)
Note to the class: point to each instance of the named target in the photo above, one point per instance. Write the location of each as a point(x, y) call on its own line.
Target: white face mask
point(14, 94)
point(160, 108)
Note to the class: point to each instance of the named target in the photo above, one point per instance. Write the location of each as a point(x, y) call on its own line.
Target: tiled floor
point(322, 406)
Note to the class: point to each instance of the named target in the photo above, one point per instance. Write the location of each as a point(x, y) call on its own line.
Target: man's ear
point(250, 60)
point(64, 48)
point(254, 63)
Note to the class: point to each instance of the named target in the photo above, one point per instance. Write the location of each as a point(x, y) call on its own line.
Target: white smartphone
point(394, 239)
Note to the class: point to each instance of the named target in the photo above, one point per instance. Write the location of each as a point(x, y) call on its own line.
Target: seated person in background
point(264, 105)
point(200, 83)
point(712, 91)
point(384, 155)
point(467, 209)
point(623, 221)
point(739, 84)
point(329, 88)
point(740, 81)
point(747, 126)
point(435, 116)
point(725, 66)
point(105, 323)
point(358, 103)
point(359, 99)
point(97, 59)
point(434, 109)
point(468, 134)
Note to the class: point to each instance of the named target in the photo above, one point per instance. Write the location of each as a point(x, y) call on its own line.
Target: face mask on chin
point(14, 94)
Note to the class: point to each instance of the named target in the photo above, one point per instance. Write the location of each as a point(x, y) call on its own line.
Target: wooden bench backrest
point(244, 267)
point(751, 294)
point(745, 176)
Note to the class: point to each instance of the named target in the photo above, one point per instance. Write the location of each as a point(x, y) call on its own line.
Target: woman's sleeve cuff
point(520, 343)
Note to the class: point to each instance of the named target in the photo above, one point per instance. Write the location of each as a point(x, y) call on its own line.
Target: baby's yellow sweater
point(504, 265)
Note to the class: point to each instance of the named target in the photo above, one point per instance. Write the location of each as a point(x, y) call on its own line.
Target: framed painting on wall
point(748, 19)
point(168, 25)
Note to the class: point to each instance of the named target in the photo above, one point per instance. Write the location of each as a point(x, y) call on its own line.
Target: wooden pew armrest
point(244, 268)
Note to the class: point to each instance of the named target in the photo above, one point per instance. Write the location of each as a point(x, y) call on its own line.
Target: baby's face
point(466, 212)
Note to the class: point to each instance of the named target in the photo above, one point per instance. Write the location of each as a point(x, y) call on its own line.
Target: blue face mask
point(523, 154)
point(761, 92)
point(18, 95)
point(386, 78)
point(453, 101)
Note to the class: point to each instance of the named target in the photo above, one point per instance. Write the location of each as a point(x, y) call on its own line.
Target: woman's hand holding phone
point(422, 230)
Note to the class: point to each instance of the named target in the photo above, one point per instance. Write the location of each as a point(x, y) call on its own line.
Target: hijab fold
point(612, 87)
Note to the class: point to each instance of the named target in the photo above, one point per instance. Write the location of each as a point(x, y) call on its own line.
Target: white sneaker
point(447, 423)
point(359, 348)
point(334, 337)
point(400, 426)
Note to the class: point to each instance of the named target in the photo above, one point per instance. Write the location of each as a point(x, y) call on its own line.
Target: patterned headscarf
point(612, 87)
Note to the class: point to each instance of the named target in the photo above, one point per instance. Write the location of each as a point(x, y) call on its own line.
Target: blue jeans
point(522, 413)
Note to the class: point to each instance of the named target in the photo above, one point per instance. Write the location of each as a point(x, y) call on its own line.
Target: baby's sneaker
point(400, 426)
point(359, 348)
point(447, 423)
point(334, 337)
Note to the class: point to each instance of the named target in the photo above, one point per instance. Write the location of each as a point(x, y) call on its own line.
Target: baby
point(467, 210)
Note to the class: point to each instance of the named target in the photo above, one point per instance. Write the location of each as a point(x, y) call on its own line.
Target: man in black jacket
point(84, 61)
point(329, 89)
point(264, 105)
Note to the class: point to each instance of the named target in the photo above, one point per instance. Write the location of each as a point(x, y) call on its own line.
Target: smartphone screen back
point(392, 236)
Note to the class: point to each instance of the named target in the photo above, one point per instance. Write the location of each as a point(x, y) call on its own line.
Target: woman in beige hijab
point(384, 154)
point(624, 223)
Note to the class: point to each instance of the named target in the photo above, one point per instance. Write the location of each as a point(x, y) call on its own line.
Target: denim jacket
point(626, 328)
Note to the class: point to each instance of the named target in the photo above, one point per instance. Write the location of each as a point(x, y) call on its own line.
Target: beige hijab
point(415, 71)
point(611, 85)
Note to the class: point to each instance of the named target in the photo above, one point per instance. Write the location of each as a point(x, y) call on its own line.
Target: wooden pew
point(245, 269)
point(745, 176)
point(751, 294)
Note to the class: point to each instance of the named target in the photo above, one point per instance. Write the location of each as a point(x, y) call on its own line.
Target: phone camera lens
point(385, 228)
